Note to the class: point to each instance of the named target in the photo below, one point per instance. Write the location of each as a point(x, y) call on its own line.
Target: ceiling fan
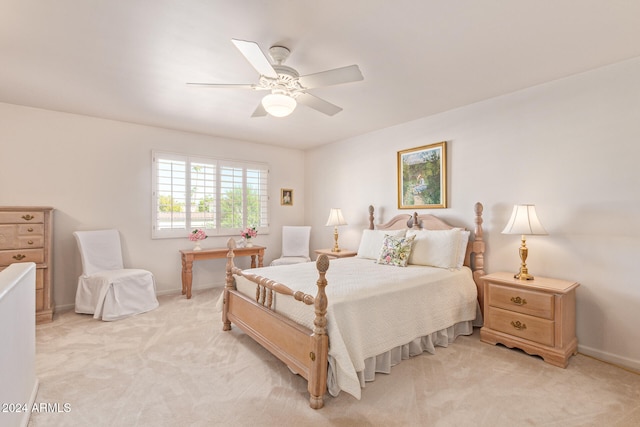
point(287, 88)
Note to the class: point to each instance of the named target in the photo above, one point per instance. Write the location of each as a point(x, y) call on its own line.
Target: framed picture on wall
point(286, 197)
point(422, 177)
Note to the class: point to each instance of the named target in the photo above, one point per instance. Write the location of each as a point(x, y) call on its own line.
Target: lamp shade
point(336, 218)
point(524, 220)
point(279, 105)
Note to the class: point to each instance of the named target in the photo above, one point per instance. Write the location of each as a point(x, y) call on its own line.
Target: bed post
point(320, 340)
point(229, 285)
point(478, 251)
point(371, 226)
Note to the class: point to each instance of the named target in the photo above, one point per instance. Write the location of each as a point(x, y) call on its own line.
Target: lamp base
point(336, 248)
point(523, 276)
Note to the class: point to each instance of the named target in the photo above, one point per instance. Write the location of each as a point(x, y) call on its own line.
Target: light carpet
point(175, 367)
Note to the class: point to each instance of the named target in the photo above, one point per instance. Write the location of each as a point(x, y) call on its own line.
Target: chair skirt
point(116, 294)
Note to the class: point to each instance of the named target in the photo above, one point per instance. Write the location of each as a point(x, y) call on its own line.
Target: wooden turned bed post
point(477, 248)
point(320, 340)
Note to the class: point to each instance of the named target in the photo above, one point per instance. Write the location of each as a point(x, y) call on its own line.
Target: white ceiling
point(129, 60)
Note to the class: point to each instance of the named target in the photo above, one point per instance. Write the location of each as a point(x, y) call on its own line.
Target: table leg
point(253, 261)
point(187, 276)
point(260, 258)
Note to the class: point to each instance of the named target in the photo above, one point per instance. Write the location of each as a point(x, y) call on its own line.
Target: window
point(220, 196)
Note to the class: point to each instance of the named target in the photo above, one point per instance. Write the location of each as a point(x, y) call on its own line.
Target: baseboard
point(64, 307)
point(614, 359)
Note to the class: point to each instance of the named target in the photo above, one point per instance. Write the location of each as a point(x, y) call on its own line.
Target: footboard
point(305, 351)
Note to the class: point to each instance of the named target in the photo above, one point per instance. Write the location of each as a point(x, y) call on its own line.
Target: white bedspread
point(373, 308)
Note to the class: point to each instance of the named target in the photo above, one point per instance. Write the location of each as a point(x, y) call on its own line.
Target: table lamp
point(335, 219)
point(524, 221)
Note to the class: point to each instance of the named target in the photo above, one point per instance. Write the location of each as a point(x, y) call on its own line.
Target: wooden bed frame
point(305, 351)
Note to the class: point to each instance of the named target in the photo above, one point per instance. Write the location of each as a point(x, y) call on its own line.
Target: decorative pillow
point(371, 242)
point(436, 248)
point(395, 251)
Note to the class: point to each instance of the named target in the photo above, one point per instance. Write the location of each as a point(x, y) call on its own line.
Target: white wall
point(97, 174)
point(570, 146)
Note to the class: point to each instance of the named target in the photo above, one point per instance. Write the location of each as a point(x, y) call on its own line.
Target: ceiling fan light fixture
point(279, 105)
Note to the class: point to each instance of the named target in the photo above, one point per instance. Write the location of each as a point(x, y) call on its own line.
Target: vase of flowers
point(247, 234)
point(195, 236)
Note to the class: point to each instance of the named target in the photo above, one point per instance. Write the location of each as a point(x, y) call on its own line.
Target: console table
point(189, 256)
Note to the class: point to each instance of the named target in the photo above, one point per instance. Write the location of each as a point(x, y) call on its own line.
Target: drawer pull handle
point(518, 300)
point(30, 242)
point(30, 230)
point(28, 217)
point(19, 257)
point(519, 326)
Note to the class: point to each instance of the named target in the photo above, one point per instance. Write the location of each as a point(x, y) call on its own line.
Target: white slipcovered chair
point(295, 245)
point(106, 289)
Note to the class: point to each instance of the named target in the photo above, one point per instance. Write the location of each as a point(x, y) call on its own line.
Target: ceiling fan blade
point(336, 76)
point(256, 57)
point(318, 104)
point(260, 111)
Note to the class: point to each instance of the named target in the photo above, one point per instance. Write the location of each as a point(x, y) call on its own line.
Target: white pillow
point(371, 242)
point(462, 248)
point(436, 248)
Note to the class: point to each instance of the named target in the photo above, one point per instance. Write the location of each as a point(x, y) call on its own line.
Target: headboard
point(474, 257)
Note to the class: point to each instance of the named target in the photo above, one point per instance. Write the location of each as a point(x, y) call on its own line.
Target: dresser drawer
point(524, 301)
point(30, 229)
point(21, 217)
point(18, 236)
point(21, 255)
point(521, 325)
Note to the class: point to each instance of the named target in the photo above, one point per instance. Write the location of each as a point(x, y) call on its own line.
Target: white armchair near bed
point(106, 289)
point(295, 245)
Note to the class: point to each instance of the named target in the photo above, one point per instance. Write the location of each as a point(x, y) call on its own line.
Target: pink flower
point(249, 232)
point(197, 234)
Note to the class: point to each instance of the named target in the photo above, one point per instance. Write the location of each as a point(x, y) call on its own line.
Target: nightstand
point(341, 254)
point(537, 316)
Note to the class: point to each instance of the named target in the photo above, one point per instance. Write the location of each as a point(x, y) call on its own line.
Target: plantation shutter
point(203, 198)
point(220, 196)
point(257, 187)
point(169, 201)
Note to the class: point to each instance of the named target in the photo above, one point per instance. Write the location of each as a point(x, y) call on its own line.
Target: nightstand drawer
point(534, 303)
point(521, 325)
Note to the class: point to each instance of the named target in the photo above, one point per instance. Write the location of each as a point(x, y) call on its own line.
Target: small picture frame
point(286, 197)
point(422, 177)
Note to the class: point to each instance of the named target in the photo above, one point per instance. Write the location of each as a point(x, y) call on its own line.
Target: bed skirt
point(382, 363)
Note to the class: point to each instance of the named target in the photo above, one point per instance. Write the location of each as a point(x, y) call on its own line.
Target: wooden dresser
point(25, 236)
point(537, 316)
